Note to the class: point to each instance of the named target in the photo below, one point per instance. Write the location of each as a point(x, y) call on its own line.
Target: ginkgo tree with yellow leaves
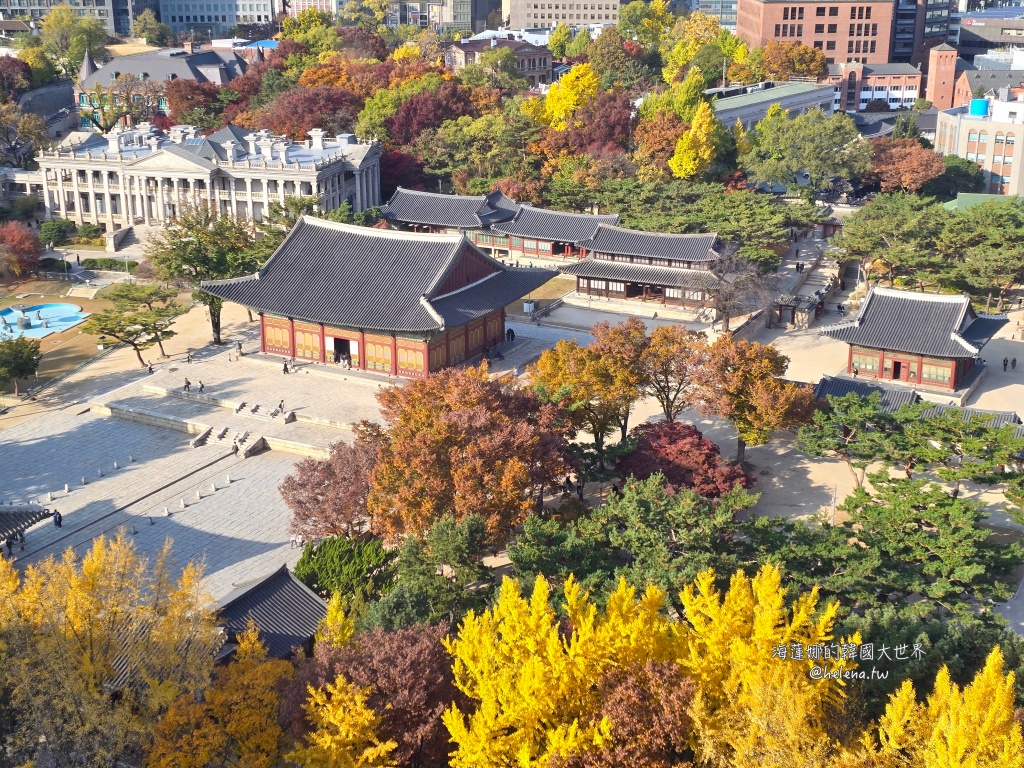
point(577, 86)
point(698, 146)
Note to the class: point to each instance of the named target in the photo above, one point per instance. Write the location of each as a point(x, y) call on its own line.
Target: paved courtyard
point(240, 530)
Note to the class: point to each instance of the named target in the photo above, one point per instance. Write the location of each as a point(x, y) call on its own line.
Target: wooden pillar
point(263, 334)
point(323, 345)
point(849, 360)
point(291, 336)
point(362, 349)
point(394, 355)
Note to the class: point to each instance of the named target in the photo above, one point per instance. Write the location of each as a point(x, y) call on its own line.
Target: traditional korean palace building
point(401, 303)
point(930, 341)
point(495, 223)
point(608, 261)
point(664, 268)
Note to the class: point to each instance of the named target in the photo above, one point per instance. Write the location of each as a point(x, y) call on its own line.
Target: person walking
point(150, 367)
point(188, 358)
point(285, 368)
point(57, 519)
point(201, 386)
point(188, 385)
point(1006, 362)
point(21, 540)
point(1013, 364)
point(280, 407)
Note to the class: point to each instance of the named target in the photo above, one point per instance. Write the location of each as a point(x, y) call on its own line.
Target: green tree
point(19, 359)
point(896, 231)
point(21, 133)
point(993, 263)
point(580, 43)
point(364, 13)
point(498, 68)
point(201, 245)
point(560, 38)
point(352, 568)
point(822, 147)
point(921, 541)
point(139, 330)
point(158, 300)
point(148, 27)
point(129, 96)
point(65, 36)
point(43, 71)
point(646, 536)
point(961, 175)
point(438, 578)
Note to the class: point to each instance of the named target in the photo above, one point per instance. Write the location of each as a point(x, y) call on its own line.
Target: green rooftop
point(769, 94)
point(965, 200)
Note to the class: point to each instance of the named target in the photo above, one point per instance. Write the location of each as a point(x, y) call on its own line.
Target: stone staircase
point(130, 240)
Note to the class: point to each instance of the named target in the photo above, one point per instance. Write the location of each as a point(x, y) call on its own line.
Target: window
point(817, 44)
point(852, 28)
point(938, 373)
point(1007, 159)
point(693, 296)
point(853, 13)
point(983, 137)
point(1009, 139)
point(799, 30)
point(834, 11)
point(819, 29)
point(833, 28)
point(972, 136)
point(972, 157)
point(620, 287)
point(673, 293)
point(819, 11)
point(874, 29)
point(867, 14)
point(778, 28)
point(872, 46)
point(865, 363)
point(830, 45)
point(849, 47)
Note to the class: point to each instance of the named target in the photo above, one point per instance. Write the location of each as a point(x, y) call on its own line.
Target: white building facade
point(143, 177)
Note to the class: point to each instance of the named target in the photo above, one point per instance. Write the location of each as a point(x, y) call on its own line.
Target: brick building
point(857, 85)
point(845, 31)
point(534, 60)
point(989, 139)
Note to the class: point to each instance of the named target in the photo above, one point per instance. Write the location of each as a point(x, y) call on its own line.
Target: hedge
point(113, 265)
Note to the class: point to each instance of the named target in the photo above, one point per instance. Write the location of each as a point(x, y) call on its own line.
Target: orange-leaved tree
point(235, 723)
point(741, 381)
point(459, 443)
point(671, 361)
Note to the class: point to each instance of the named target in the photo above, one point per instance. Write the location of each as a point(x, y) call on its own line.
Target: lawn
point(553, 289)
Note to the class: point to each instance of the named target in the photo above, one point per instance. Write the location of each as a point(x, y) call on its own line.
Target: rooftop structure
point(663, 268)
point(986, 131)
point(496, 223)
point(983, 31)
point(218, 66)
point(751, 107)
point(893, 397)
point(536, 36)
point(143, 175)
point(534, 61)
point(857, 85)
point(927, 340)
point(286, 612)
point(401, 303)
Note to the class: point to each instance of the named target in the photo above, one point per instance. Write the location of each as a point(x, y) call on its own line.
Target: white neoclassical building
point(141, 176)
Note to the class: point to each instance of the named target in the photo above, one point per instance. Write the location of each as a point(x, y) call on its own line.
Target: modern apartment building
point(723, 10)
point(530, 13)
point(846, 31)
point(117, 15)
point(918, 26)
point(216, 18)
point(857, 85)
point(986, 131)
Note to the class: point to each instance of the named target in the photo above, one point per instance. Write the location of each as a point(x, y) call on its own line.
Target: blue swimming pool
point(42, 319)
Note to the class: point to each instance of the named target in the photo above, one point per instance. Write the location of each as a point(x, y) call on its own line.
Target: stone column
point(280, 191)
point(106, 200)
point(61, 202)
point(161, 206)
point(359, 192)
point(248, 192)
point(77, 196)
point(234, 208)
point(144, 192)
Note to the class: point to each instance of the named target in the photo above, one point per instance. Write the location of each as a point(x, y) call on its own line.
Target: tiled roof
point(893, 398)
point(994, 418)
point(918, 323)
point(286, 612)
point(672, 277)
point(457, 211)
point(375, 279)
point(210, 147)
point(554, 225)
point(171, 63)
point(16, 518)
point(630, 242)
point(496, 291)
point(994, 78)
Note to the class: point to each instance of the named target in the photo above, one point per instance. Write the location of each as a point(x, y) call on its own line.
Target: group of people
point(343, 358)
point(1011, 363)
point(15, 537)
point(188, 386)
